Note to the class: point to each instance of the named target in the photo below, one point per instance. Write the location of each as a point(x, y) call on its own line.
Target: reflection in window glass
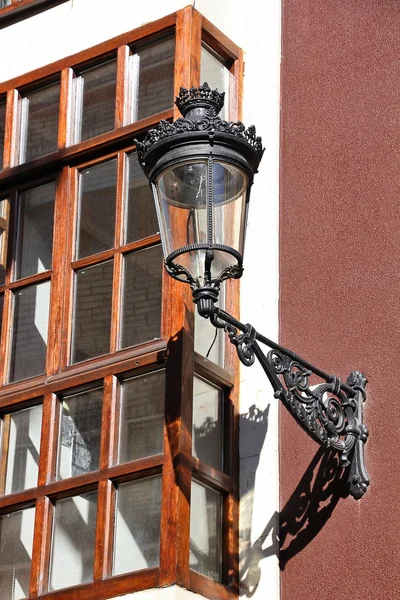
point(95, 100)
point(209, 341)
point(152, 79)
point(80, 430)
point(29, 333)
point(96, 212)
point(142, 416)
point(35, 230)
point(137, 525)
point(39, 122)
point(141, 311)
point(2, 128)
point(92, 312)
point(16, 539)
point(4, 3)
point(141, 220)
point(23, 429)
point(214, 72)
point(205, 531)
point(207, 423)
point(74, 532)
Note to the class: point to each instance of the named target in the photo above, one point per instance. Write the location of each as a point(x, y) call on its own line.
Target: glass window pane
point(141, 220)
point(2, 128)
point(142, 416)
point(16, 539)
point(4, 3)
point(23, 448)
point(4, 223)
point(35, 230)
point(152, 73)
point(205, 531)
point(141, 311)
point(96, 212)
point(29, 334)
point(80, 430)
point(214, 72)
point(92, 312)
point(74, 532)
point(207, 423)
point(209, 341)
point(39, 122)
point(137, 525)
point(96, 100)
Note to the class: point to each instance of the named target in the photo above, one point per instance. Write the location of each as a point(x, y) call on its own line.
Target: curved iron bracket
point(330, 411)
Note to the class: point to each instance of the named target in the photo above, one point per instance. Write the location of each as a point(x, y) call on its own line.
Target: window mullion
point(7, 322)
point(59, 253)
point(71, 203)
point(118, 258)
point(5, 441)
point(48, 444)
point(64, 119)
point(187, 36)
point(122, 103)
point(236, 88)
point(109, 422)
point(10, 128)
point(41, 547)
point(104, 530)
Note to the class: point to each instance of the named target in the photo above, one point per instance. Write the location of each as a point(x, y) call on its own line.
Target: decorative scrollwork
point(330, 412)
point(211, 102)
point(179, 272)
point(325, 410)
point(245, 349)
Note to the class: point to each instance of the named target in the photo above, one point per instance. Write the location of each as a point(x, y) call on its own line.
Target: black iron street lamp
point(201, 170)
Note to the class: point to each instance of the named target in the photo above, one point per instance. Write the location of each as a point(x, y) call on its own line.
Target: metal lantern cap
point(199, 127)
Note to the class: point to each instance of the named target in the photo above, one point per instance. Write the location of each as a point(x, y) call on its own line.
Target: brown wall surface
point(340, 284)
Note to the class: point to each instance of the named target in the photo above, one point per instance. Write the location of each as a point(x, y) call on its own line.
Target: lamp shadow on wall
point(253, 428)
point(304, 515)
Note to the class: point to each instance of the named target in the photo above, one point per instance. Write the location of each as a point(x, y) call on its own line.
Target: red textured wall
point(340, 283)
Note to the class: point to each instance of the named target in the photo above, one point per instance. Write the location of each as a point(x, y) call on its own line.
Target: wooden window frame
point(174, 351)
point(18, 10)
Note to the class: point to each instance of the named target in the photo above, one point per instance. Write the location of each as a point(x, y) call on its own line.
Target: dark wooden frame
point(174, 351)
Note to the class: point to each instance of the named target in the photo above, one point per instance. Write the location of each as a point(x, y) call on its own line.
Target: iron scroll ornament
point(331, 412)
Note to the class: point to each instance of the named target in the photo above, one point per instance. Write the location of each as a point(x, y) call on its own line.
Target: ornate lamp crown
point(203, 97)
point(200, 121)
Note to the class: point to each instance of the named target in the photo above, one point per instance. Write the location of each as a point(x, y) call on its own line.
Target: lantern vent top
point(200, 102)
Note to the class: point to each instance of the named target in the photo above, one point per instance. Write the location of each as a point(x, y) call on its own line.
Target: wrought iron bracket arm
point(330, 411)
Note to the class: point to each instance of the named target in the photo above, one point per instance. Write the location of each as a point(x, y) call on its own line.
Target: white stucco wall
point(255, 26)
point(171, 593)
